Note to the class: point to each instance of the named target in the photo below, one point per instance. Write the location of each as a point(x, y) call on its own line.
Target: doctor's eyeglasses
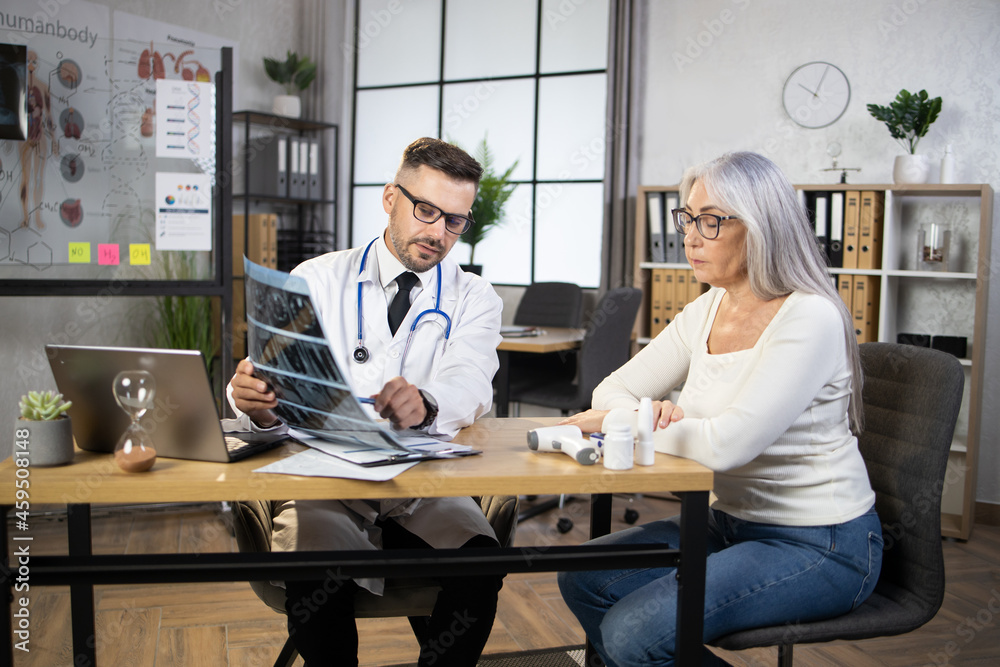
point(708, 224)
point(429, 213)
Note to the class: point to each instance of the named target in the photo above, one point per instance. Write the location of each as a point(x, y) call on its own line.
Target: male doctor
point(420, 337)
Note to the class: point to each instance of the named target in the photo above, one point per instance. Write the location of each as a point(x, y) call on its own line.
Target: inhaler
point(567, 439)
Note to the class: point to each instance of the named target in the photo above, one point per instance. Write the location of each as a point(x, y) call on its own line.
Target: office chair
point(606, 346)
point(253, 525)
point(550, 305)
point(546, 305)
point(911, 399)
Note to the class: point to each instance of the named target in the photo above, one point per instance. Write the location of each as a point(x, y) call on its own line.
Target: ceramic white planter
point(49, 443)
point(911, 169)
point(287, 105)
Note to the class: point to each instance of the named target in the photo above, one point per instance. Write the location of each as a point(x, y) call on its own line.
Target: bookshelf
point(910, 300)
point(285, 198)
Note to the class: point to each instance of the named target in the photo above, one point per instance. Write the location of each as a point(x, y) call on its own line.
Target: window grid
point(538, 76)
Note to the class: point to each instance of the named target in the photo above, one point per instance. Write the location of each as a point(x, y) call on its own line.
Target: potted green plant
point(44, 428)
point(908, 118)
point(487, 209)
point(295, 74)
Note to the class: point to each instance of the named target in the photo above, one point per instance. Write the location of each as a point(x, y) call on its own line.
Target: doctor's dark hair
point(444, 157)
point(781, 251)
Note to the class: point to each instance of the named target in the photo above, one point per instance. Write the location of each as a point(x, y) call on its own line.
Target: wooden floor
point(213, 625)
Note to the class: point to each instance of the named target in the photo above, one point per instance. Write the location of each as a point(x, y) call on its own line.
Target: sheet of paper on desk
point(419, 444)
point(314, 463)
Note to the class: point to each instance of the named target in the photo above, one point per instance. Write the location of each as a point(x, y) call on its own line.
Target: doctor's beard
point(401, 246)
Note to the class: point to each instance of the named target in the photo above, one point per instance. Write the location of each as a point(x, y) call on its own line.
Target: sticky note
point(107, 253)
point(79, 252)
point(138, 253)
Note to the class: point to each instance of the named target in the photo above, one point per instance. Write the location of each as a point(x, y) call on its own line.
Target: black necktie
point(401, 302)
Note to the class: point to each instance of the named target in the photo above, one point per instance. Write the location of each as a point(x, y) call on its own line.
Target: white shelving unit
point(910, 301)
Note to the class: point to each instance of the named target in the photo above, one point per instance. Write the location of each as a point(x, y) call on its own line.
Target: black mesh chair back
point(550, 305)
point(912, 396)
point(606, 346)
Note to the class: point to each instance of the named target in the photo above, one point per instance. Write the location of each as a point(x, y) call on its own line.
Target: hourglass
point(134, 392)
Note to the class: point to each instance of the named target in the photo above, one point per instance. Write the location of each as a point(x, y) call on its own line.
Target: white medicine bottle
point(618, 447)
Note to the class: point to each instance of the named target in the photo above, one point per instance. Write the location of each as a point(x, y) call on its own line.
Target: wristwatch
point(431, 406)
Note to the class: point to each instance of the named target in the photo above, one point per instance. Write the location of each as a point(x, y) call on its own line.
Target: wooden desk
point(555, 339)
point(506, 467)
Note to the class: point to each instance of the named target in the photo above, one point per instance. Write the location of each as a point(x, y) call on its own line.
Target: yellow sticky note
point(79, 252)
point(138, 253)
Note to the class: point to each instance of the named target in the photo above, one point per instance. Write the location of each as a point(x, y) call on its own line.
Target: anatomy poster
point(85, 178)
point(51, 181)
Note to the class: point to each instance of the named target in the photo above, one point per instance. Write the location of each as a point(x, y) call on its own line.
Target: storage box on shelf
point(870, 233)
point(285, 201)
point(287, 165)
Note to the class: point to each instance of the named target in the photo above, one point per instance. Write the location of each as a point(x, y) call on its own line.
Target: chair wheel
point(564, 525)
point(631, 516)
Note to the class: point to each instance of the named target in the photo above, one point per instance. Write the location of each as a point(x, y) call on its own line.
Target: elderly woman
point(771, 402)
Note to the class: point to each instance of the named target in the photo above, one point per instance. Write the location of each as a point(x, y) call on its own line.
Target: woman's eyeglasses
point(708, 224)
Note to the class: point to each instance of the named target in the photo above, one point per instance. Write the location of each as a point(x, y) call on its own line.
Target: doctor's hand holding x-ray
point(399, 401)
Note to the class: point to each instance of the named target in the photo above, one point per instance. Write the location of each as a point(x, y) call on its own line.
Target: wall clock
point(816, 94)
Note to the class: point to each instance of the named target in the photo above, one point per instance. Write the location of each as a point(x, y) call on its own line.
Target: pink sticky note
point(107, 253)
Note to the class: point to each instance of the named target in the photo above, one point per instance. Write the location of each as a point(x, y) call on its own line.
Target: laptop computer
point(183, 422)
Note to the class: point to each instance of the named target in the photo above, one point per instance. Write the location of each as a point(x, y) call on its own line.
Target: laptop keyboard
point(240, 449)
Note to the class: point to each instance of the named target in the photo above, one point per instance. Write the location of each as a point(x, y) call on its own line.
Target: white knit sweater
point(771, 421)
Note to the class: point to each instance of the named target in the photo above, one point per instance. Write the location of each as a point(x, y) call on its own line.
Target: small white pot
point(911, 169)
point(287, 105)
point(49, 443)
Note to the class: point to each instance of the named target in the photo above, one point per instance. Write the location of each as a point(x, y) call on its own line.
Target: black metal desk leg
point(81, 595)
point(691, 578)
point(600, 524)
point(502, 384)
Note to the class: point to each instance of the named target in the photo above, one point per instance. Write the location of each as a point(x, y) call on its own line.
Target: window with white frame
point(530, 76)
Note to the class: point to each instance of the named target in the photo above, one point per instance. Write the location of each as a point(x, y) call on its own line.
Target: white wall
point(714, 71)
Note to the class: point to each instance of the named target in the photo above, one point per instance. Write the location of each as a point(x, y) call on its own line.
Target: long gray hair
point(781, 251)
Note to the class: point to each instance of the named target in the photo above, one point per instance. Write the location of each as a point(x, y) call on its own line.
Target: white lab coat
point(457, 372)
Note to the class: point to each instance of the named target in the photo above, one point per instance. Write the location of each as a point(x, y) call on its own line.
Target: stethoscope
point(361, 353)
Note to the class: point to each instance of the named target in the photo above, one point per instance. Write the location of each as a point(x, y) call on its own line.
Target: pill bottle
point(618, 446)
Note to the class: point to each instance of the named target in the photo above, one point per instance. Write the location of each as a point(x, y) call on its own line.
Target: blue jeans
point(757, 575)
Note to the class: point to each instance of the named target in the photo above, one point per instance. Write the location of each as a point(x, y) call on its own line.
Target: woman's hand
point(665, 413)
point(591, 421)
